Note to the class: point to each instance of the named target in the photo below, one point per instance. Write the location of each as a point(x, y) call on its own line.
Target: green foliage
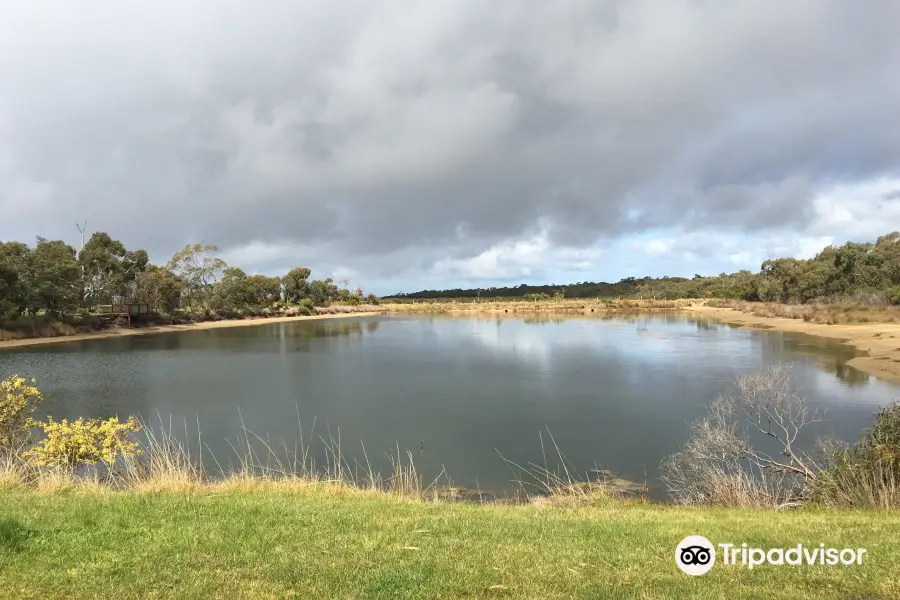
point(296, 284)
point(239, 292)
point(108, 270)
point(159, 288)
point(866, 475)
point(53, 278)
point(322, 292)
point(15, 259)
point(199, 270)
point(895, 294)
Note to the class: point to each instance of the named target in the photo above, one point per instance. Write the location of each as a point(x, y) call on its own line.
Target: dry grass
point(345, 309)
point(872, 486)
point(518, 306)
point(828, 314)
point(44, 330)
point(166, 463)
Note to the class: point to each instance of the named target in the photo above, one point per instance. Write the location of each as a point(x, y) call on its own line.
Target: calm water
point(616, 393)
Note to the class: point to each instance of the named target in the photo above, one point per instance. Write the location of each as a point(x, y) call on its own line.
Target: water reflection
point(615, 390)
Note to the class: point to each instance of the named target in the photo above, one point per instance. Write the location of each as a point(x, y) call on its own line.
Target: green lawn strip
point(316, 544)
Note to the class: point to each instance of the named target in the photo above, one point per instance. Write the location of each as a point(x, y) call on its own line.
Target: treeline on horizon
point(863, 273)
point(52, 278)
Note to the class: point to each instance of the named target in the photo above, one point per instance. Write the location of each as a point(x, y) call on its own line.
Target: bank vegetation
point(857, 274)
point(50, 289)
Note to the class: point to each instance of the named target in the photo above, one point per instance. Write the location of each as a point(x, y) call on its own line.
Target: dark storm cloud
point(416, 133)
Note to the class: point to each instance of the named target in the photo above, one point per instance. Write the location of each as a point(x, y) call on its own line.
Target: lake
point(617, 393)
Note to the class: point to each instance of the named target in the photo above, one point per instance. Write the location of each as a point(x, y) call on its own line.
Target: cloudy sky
point(443, 143)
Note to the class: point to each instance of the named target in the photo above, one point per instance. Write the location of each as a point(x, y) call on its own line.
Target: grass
point(830, 314)
point(46, 329)
point(846, 312)
point(519, 306)
point(283, 541)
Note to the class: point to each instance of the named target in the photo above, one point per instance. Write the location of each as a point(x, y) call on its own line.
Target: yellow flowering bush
point(84, 441)
point(18, 400)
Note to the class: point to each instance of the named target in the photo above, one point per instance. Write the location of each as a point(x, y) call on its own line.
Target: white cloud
point(659, 247)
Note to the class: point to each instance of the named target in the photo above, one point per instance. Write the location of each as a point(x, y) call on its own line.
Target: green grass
point(327, 543)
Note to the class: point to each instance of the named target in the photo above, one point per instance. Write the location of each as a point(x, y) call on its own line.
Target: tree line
point(52, 278)
point(860, 272)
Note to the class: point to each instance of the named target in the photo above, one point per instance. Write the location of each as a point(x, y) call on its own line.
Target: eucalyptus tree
point(198, 269)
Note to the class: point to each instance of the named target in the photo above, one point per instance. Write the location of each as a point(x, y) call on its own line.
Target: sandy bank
point(880, 340)
point(123, 332)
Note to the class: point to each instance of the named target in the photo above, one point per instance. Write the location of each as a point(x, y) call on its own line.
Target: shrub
point(304, 310)
point(308, 304)
point(92, 441)
point(866, 475)
point(18, 400)
point(9, 311)
point(721, 464)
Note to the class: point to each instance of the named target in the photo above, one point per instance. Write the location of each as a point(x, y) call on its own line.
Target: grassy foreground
point(329, 542)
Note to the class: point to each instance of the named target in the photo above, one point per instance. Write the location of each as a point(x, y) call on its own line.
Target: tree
point(53, 278)
point(14, 260)
point(238, 291)
point(159, 288)
point(854, 262)
point(887, 248)
point(231, 290)
point(198, 269)
point(263, 291)
point(323, 292)
point(296, 284)
point(108, 269)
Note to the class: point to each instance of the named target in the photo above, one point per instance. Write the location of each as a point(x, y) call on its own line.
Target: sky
point(454, 143)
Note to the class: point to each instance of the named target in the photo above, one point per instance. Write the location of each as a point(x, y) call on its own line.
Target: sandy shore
point(123, 332)
point(880, 340)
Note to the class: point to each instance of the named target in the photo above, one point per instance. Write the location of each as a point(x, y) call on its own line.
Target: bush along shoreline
point(51, 289)
point(743, 453)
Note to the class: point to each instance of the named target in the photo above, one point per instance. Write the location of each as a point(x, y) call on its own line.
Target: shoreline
point(153, 329)
point(881, 341)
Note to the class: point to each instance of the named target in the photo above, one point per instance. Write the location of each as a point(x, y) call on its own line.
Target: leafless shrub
point(720, 464)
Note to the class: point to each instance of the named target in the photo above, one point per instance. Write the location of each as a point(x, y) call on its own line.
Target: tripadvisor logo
point(696, 555)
